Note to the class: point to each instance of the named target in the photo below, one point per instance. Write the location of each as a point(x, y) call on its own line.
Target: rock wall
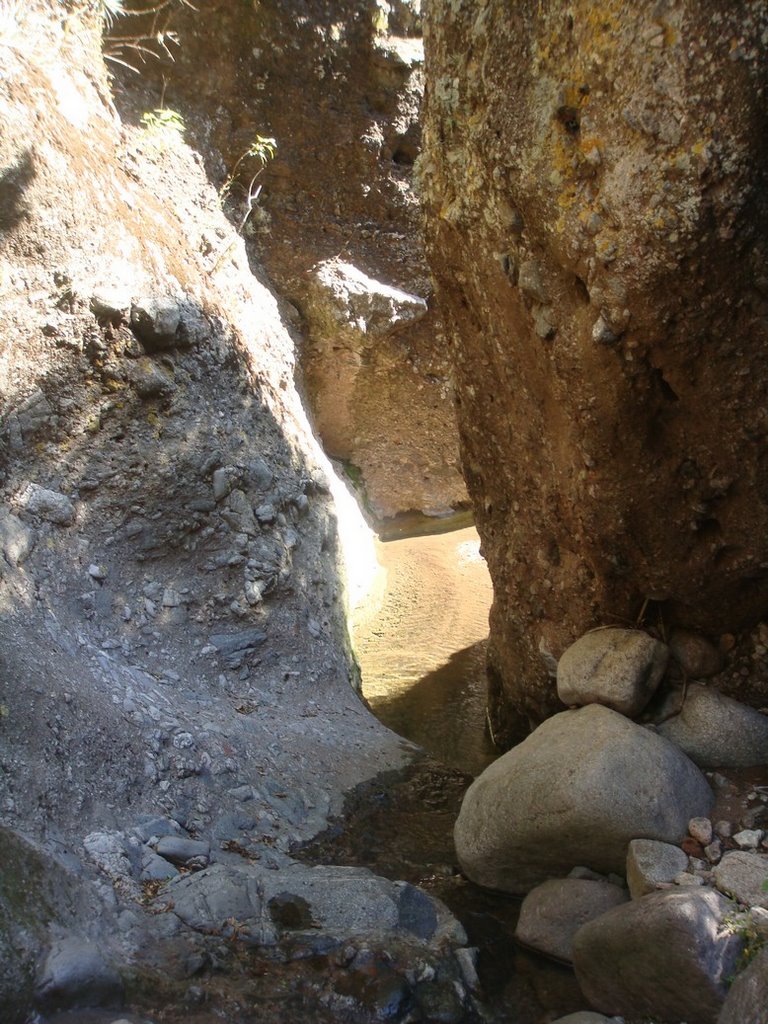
point(174, 659)
point(338, 86)
point(594, 176)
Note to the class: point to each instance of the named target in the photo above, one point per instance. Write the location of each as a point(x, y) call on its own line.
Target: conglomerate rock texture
point(338, 86)
point(594, 176)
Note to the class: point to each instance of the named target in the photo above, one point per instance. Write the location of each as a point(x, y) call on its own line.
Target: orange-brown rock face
point(595, 184)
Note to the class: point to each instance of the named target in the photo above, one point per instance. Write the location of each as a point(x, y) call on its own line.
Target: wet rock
point(652, 865)
point(748, 997)
point(665, 955)
point(553, 912)
point(75, 976)
point(608, 780)
point(16, 539)
point(741, 875)
point(49, 505)
point(717, 731)
point(179, 850)
point(416, 912)
point(620, 668)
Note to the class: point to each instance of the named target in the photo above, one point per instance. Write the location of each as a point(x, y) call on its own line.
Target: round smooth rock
point(718, 732)
point(620, 668)
point(554, 911)
point(666, 956)
point(575, 792)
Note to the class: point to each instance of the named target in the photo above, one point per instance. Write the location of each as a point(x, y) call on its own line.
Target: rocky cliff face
point(337, 223)
point(595, 186)
point(173, 653)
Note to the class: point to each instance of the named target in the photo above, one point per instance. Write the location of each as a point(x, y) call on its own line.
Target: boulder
point(76, 976)
point(665, 955)
point(48, 505)
point(651, 865)
point(741, 875)
point(620, 668)
point(747, 1000)
point(554, 911)
point(608, 781)
point(716, 731)
point(179, 850)
point(312, 908)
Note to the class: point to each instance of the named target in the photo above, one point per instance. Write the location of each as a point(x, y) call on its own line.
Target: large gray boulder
point(718, 732)
point(307, 908)
point(747, 1001)
point(666, 956)
point(620, 668)
point(583, 785)
point(554, 911)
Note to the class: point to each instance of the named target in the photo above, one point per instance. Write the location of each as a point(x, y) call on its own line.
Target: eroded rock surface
point(338, 87)
point(583, 203)
point(176, 686)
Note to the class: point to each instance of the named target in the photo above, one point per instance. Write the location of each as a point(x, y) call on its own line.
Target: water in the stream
point(422, 653)
point(422, 660)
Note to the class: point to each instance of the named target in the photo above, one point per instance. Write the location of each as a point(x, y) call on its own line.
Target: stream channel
point(422, 661)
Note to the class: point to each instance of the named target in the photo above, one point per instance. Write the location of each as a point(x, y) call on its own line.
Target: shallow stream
point(422, 660)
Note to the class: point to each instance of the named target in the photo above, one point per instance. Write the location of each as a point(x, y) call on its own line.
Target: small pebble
point(713, 851)
point(700, 829)
point(724, 829)
point(748, 838)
